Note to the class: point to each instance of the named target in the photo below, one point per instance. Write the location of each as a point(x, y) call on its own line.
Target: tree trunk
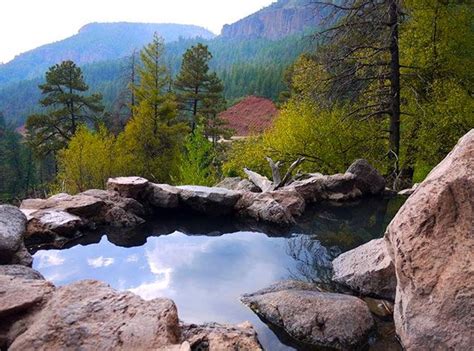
point(394, 83)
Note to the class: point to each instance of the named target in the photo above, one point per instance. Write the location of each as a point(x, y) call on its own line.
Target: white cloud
point(100, 262)
point(48, 259)
point(132, 258)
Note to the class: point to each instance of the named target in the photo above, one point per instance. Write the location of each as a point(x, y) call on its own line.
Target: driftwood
point(278, 182)
point(259, 180)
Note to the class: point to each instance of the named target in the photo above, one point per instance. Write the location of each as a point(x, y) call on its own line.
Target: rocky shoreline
point(128, 201)
point(423, 265)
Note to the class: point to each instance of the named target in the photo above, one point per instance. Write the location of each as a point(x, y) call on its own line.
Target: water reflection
point(206, 274)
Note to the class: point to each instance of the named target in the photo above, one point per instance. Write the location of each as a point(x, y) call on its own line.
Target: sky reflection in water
point(206, 275)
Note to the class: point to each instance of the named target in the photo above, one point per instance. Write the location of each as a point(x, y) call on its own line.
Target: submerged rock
point(313, 317)
point(431, 242)
point(368, 179)
point(208, 200)
point(93, 316)
point(213, 336)
point(12, 228)
point(367, 269)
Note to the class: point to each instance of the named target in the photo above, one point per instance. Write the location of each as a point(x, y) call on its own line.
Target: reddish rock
point(133, 187)
point(219, 337)
point(93, 316)
point(431, 242)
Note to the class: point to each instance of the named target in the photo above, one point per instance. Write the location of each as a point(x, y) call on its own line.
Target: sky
point(27, 24)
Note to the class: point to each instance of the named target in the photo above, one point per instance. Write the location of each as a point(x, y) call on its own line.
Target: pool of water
point(205, 265)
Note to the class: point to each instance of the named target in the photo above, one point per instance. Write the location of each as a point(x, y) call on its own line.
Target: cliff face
point(280, 19)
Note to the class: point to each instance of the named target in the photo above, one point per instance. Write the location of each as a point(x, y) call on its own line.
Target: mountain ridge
point(279, 19)
point(95, 42)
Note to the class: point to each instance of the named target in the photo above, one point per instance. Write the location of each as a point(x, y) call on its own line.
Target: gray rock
point(313, 317)
point(118, 211)
point(12, 228)
point(431, 242)
point(318, 187)
point(238, 184)
point(277, 207)
point(47, 224)
point(163, 196)
point(79, 205)
point(367, 269)
point(368, 179)
point(22, 257)
point(208, 200)
point(20, 271)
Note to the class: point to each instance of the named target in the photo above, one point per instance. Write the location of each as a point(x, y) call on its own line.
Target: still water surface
point(206, 265)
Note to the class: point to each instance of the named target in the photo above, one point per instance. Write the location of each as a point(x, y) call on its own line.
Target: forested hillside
point(246, 67)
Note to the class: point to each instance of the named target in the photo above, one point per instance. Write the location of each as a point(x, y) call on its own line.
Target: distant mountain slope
point(247, 67)
point(94, 42)
point(282, 18)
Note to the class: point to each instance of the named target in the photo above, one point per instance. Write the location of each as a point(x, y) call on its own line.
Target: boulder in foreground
point(214, 336)
point(367, 269)
point(93, 316)
point(431, 242)
point(313, 317)
point(12, 229)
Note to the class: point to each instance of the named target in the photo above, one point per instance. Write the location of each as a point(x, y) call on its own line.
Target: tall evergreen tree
point(153, 138)
point(192, 82)
point(66, 108)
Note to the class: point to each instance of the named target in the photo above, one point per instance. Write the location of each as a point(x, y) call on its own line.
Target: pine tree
point(67, 107)
point(192, 82)
point(152, 140)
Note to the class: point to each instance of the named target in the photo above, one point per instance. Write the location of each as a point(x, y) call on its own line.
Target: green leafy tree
point(66, 108)
point(88, 161)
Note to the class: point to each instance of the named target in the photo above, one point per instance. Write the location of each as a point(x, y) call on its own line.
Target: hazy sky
point(26, 24)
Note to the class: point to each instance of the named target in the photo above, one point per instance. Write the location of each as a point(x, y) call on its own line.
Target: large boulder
point(208, 200)
point(276, 207)
point(238, 184)
point(367, 269)
point(431, 242)
point(368, 179)
point(214, 336)
point(318, 187)
point(313, 317)
point(92, 316)
point(12, 228)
